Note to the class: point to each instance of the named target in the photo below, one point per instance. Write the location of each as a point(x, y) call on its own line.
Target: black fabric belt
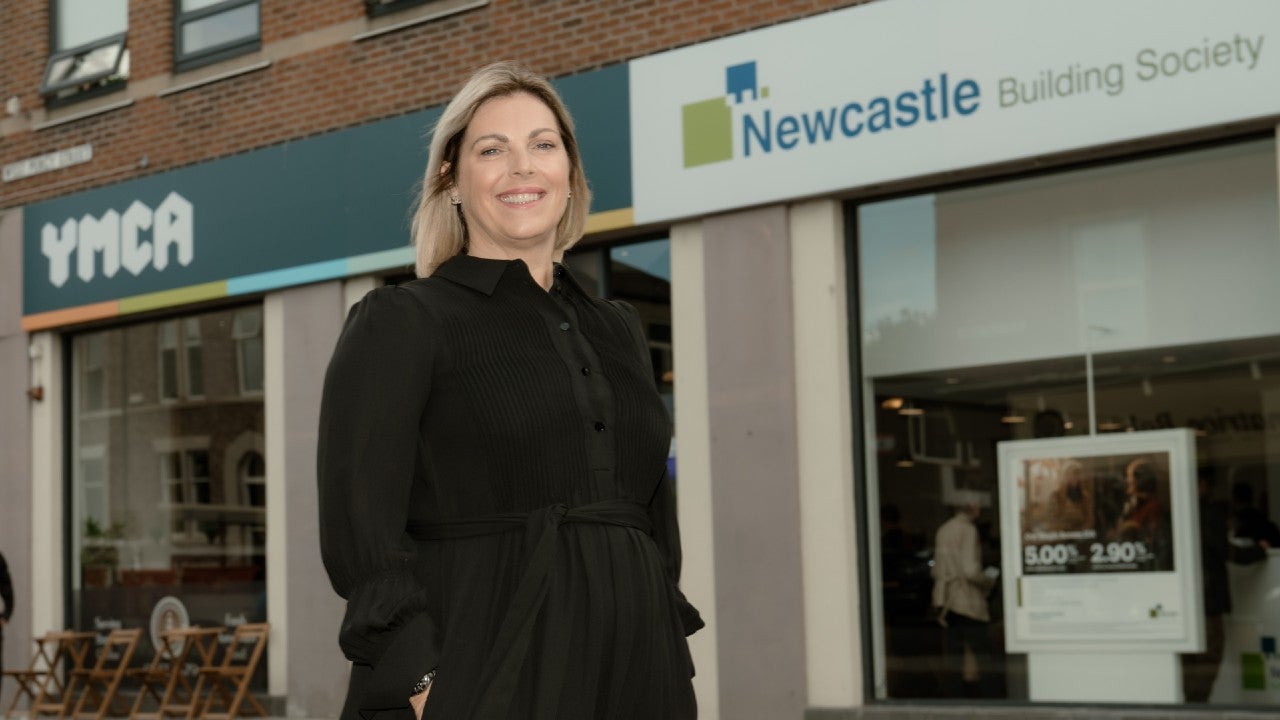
point(501, 671)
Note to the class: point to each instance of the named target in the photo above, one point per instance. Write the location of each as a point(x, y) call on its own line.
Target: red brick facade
point(319, 78)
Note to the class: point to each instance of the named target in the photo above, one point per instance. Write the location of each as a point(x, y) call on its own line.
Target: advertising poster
point(1103, 547)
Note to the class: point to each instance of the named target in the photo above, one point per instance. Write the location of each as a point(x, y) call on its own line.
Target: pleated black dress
point(494, 504)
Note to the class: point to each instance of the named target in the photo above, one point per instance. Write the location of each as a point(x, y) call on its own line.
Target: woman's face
point(512, 176)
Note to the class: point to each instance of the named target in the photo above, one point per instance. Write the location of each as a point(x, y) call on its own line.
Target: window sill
point(394, 21)
point(213, 78)
point(57, 118)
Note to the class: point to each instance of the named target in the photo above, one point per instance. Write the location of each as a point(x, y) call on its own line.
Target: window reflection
point(170, 479)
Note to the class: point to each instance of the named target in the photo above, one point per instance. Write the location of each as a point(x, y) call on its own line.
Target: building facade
point(909, 271)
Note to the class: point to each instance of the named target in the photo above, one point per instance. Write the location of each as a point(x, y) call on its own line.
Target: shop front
point(178, 326)
point(1055, 256)
point(902, 266)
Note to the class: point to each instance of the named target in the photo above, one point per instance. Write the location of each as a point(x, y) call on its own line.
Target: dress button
point(586, 371)
point(599, 426)
point(564, 326)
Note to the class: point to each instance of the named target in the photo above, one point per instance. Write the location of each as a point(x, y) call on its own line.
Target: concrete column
point(825, 439)
point(16, 540)
point(301, 326)
point(756, 513)
point(693, 455)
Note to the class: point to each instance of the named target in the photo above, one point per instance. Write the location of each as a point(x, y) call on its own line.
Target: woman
point(493, 500)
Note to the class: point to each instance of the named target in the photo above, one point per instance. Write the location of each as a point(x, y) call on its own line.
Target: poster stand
point(1102, 564)
point(1151, 677)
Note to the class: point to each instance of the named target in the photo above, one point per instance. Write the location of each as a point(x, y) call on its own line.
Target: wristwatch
point(424, 683)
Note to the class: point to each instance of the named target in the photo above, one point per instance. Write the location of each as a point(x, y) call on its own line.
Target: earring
point(455, 200)
point(570, 194)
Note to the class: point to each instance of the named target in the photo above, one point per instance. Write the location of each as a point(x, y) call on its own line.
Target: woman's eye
point(489, 151)
point(546, 145)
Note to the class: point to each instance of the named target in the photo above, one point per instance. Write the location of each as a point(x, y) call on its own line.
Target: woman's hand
point(419, 701)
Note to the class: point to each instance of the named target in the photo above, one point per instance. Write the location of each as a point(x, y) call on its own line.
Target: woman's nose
point(521, 162)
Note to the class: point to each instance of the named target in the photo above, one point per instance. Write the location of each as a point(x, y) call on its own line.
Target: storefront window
point(169, 483)
point(1121, 299)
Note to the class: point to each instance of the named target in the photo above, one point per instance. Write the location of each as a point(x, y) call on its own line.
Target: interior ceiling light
point(1013, 419)
point(1169, 359)
point(909, 410)
point(892, 403)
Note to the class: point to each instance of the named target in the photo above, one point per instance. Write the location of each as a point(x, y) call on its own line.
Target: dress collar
point(484, 274)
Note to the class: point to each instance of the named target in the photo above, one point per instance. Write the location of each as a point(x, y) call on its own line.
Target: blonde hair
point(439, 230)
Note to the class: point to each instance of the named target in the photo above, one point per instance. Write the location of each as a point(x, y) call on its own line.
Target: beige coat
point(959, 585)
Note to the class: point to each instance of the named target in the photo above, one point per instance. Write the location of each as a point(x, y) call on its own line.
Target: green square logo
point(708, 132)
point(1253, 671)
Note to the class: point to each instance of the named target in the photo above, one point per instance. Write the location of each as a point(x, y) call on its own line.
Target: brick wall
point(334, 85)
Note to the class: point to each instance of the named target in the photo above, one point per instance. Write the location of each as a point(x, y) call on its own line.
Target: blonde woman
point(493, 498)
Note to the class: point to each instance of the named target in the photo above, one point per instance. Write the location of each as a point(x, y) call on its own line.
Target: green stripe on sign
point(169, 298)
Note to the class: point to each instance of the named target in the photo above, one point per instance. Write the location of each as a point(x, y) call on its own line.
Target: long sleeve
point(666, 533)
point(6, 589)
point(375, 391)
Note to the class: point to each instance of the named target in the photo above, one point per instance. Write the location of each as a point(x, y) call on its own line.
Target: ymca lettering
point(121, 240)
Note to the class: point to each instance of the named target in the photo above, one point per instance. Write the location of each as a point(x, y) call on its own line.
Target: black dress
point(494, 503)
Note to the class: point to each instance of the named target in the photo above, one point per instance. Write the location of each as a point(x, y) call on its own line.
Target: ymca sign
point(135, 240)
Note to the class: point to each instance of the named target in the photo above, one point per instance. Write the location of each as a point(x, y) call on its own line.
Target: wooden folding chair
point(228, 682)
point(165, 680)
point(98, 685)
point(63, 651)
point(31, 681)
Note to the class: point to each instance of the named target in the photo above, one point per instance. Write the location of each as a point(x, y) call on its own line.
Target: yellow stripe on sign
point(610, 220)
point(169, 298)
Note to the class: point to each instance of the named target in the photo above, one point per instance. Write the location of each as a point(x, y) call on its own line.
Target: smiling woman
point(495, 506)
point(501, 104)
point(512, 180)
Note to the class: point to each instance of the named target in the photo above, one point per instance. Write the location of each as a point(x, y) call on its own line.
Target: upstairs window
point(382, 7)
point(206, 31)
point(88, 54)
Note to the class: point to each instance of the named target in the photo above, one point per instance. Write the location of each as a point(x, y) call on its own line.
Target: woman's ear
point(445, 167)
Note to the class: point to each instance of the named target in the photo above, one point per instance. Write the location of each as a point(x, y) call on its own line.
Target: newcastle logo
point(708, 124)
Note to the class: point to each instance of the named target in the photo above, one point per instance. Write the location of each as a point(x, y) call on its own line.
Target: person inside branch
point(960, 589)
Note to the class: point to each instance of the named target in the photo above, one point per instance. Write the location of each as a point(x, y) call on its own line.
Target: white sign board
point(47, 162)
point(904, 88)
point(1100, 543)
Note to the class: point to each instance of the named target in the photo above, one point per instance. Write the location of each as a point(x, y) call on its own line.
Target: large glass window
point(1120, 299)
point(88, 47)
point(169, 483)
point(207, 31)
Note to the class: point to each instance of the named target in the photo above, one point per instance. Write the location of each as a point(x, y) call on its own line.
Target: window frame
point(161, 348)
point(240, 343)
point(96, 84)
point(183, 60)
